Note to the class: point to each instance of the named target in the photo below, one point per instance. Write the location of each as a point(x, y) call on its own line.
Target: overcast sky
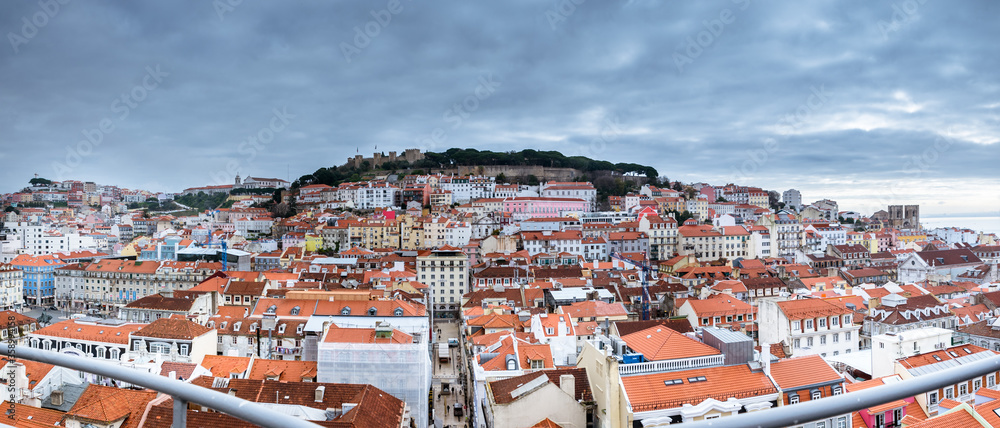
point(867, 103)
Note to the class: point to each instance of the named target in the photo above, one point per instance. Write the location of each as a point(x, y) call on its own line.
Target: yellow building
point(313, 242)
point(911, 237)
point(411, 233)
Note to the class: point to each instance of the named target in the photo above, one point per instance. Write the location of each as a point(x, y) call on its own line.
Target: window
point(847, 335)
point(835, 321)
point(372, 311)
point(184, 349)
point(949, 393)
point(990, 381)
point(809, 324)
point(842, 422)
point(963, 389)
point(346, 310)
point(793, 398)
point(796, 325)
point(809, 341)
point(836, 337)
point(932, 398)
point(976, 384)
point(822, 323)
point(837, 390)
point(816, 395)
point(295, 310)
point(798, 343)
point(822, 340)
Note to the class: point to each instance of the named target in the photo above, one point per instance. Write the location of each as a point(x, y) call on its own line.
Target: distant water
point(979, 224)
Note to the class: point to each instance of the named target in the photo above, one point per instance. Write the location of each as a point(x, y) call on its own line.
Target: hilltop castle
point(409, 155)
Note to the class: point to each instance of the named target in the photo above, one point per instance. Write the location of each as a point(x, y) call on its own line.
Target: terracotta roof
point(159, 302)
point(794, 373)
point(719, 305)
point(595, 308)
point(989, 409)
point(24, 415)
point(949, 257)
point(649, 392)
point(172, 328)
point(810, 308)
point(285, 370)
point(105, 404)
point(374, 408)
point(365, 335)
point(661, 343)
point(12, 318)
point(182, 370)
point(959, 417)
point(71, 329)
point(940, 356)
point(224, 366)
point(502, 388)
point(546, 423)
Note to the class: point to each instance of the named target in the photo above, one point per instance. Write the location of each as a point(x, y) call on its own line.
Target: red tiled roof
point(661, 343)
point(223, 366)
point(810, 308)
point(285, 370)
point(793, 373)
point(106, 404)
point(649, 392)
point(71, 329)
point(172, 328)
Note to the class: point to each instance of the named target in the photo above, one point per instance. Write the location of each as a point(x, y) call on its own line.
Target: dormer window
point(272, 309)
point(236, 326)
point(281, 329)
point(346, 310)
point(295, 310)
point(398, 312)
point(253, 327)
point(372, 311)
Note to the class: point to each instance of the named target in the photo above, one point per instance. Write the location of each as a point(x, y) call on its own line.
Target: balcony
point(181, 392)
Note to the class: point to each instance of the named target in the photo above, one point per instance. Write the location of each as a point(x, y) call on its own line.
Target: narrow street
point(448, 373)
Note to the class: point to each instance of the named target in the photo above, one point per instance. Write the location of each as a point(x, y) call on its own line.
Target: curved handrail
point(814, 410)
point(182, 392)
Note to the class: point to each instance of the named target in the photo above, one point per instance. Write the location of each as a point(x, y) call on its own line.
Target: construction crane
point(645, 283)
point(225, 250)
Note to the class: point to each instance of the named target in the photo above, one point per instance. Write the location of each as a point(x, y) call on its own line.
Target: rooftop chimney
point(567, 383)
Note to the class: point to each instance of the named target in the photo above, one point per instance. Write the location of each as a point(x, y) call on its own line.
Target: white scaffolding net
point(403, 370)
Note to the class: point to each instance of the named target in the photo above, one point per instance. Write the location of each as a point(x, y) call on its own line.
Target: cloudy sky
point(867, 103)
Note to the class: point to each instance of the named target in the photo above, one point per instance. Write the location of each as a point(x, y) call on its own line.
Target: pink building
point(521, 208)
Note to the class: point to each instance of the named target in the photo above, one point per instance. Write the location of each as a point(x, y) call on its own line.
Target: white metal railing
point(181, 392)
point(670, 365)
point(814, 410)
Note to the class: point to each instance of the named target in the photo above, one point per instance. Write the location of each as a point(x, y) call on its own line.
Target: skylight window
point(953, 354)
point(967, 351)
point(696, 379)
point(937, 358)
point(673, 382)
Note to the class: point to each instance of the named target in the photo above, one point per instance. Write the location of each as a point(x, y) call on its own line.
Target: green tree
point(38, 181)
point(501, 178)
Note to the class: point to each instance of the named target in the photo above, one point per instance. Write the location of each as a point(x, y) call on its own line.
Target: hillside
point(579, 167)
